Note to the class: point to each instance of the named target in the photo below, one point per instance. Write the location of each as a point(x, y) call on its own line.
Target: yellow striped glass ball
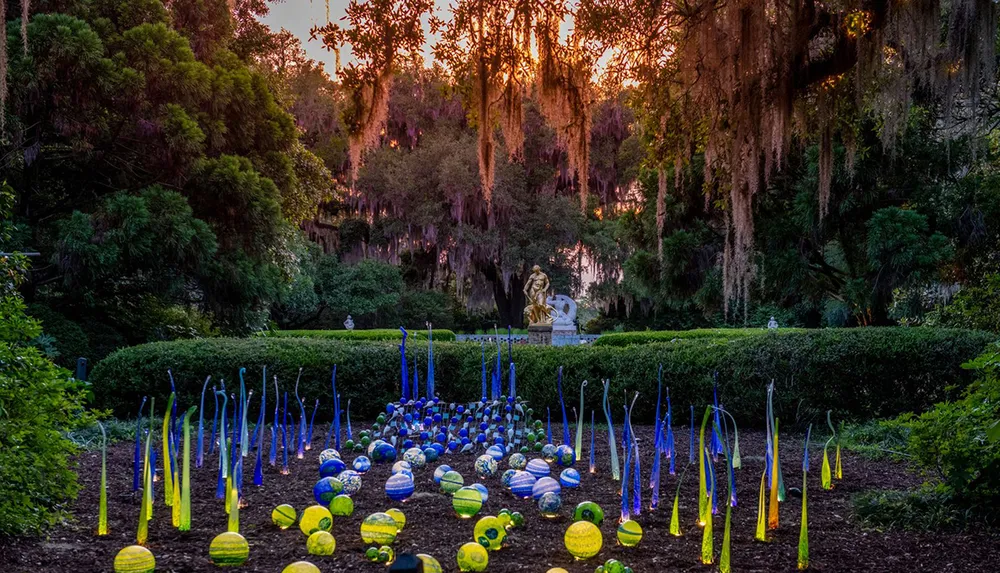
point(321, 543)
point(301, 567)
point(283, 516)
point(431, 565)
point(229, 549)
point(135, 559)
point(629, 533)
point(315, 518)
point(397, 516)
point(472, 557)
point(379, 529)
point(583, 540)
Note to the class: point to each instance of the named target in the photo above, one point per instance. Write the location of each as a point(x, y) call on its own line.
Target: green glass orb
point(472, 557)
point(386, 554)
point(301, 567)
point(431, 565)
point(379, 528)
point(135, 559)
point(397, 516)
point(315, 518)
point(524, 449)
point(371, 554)
point(538, 446)
point(613, 566)
point(283, 516)
point(342, 506)
point(589, 511)
point(229, 549)
point(629, 534)
point(380, 419)
point(530, 437)
point(490, 532)
point(505, 520)
point(517, 519)
point(467, 502)
point(349, 444)
point(365, 440)
point(451, 482)
point(583, 540)
point(321, 543)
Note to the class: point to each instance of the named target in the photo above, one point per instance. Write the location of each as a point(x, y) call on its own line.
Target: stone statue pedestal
point(540, 334)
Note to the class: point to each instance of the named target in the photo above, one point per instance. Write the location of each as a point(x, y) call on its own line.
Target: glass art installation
point(321, 543)
point(549, 504)
point(490, 532)
point(135, 559)
point(629, 533)
point(379, 528)
point(472, 557)
point(583, 540)
point(589, 511)
point(229, 549)
point(342, 506)
point(467, 502)
point(397, 516)
point(315, 518)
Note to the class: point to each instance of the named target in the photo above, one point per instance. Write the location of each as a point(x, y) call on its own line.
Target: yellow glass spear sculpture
point(772, 515)
point(803, 560)
point(145, 510)
point(234, 499)
point(761, 533)
point(826, 480)
point(168, 477)
point(185, 524)
point(704, 497)
point(102, 515)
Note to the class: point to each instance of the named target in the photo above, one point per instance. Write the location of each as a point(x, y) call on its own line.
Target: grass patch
point(929, 508)
point(877, 439)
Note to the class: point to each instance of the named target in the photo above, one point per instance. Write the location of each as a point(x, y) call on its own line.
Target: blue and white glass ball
point(361, 464)
point(569, 478)
point(415, 457)
point(483, 492)
point(402, 466)
point(430, 454)
point(495, 452)
point(517, 461)
point(550, 504)
point(545, 485)
point(486, 466)
point(383, 453)
point(328, 454)
point(440, 471)
point(565, 456)
point(331, 468)
point(538, 468)
point(399, 487)
point(521, 484)
point(506, 476)
point(351, 480)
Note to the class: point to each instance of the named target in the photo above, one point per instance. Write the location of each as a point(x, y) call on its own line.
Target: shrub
point(924, 509)
point(720, 334)
point(375, 334)
point(857, 373)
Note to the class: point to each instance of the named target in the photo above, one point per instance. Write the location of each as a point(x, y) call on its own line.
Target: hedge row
point(857, 373)
point(440, 334)
point(648, 336)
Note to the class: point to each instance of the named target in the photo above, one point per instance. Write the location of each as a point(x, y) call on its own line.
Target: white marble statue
point(564, 314)
point(349, 323)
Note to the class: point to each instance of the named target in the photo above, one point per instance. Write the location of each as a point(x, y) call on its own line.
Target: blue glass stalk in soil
point(244, 432)
point(562, 404)
point(636, 473)
point(430, 362)
point(350, 435)
point(258, 431)
point(215, 418)
point(312, 420)
point(654, 478)
point(405, 386)
point(579, 424)
point(512, 381)
point(548, 427)
point(691, 442)
point(199, 456)
point(137, 456)
point(237, 406)
point(272, 456)
point(626, 513)
point(220, 487)
point(284, 438)
point(336, 410)
point(716, 446)
point(593, 465)
point(482, 349)
point(300, 451)
point(258, 469)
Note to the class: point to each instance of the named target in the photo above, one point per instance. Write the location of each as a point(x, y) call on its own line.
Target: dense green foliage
point(372, 334)
point(722, 334)
point(858, 373)
point(38, 402)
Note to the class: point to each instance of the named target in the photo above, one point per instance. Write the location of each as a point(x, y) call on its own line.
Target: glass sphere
point(495, 452)
point(331, 468)
point(472, 557)
point(490, 533)
point(135, 559)
point(589, 511)
point(483, 492)
point(416, 457)
point(517, 519)
point(397, 516)
point(431, 565)
point(517, 461)
point(506, 476)
point(321, 543)
point(583, 540)
point(467, 502)
point(361, 464)
point(629, 533)
point(328, 454)
point(283, 516)
point(549, 504)
point(565, 456)
point(301, 567)
point(614, 566)
point(399, 487)
point(545, 485)
point(569, 478)
point(229, 549)
point(315, 518)
point(522, 483)
point(451, 481)
point(486, 466)
point(342, 506)
point(538, 468)
point(351, 480)
point(326, 489)
point(402, 466)
point(379, 528)
point(440, 471)
point(549, 453)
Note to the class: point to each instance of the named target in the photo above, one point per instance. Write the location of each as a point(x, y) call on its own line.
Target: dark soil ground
point(837, 543)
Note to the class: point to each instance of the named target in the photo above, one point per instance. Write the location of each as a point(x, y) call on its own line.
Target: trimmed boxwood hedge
point(440, 334)
point(858, 373)
point(648, 336)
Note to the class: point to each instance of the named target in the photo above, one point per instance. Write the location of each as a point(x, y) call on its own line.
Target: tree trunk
point(510, 305)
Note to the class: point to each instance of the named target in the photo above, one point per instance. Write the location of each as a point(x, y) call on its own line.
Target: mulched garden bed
point(837, 543)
